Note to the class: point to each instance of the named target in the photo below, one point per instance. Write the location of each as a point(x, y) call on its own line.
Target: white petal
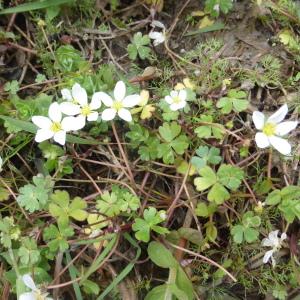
point(182, 95)
point(28, 281)
point(283, 236)
point(262, 141)
point(66, 94)
point(60, 137)
point(105, 98)
point(158, 41)
point(43, 135)
point(156, 23)
point(79, 94)
point(41, 122)
point(27, 296)
point(131, 101)
point(125, 114)
point(267, 256)
point(108, 114)
point(169, 99)
point(55, 112)
point(69, 108)
point(120, 91)
point(273, 236)
point(154, 35)
point(96, 101)
point(285, 127)
point(267, 242)
point(73, 123)
point(176, 106)
point(258, 120)
point(93, 116)
point(281, 145)
point(174, 94)
point(279, 115)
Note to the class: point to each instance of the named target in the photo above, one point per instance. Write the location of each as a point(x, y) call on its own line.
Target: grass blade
point(95, 266)
point(33, 6)
point(214, 27)
point(72, 271)
point(125, 271)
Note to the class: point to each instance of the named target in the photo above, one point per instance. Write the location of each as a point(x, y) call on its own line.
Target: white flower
point(1, 163)
point(77, 104)
point(120, 103)
point(216, 8)
point(53, 126)
point(162, 214)
point(35, 293)
point(275, 242)
point(158, 37)
point(273, 129)
point(176, 99)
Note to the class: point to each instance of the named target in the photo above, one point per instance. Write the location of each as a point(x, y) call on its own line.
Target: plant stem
point(171, 280)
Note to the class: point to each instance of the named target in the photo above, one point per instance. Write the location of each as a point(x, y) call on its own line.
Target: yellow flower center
point(269, 129)
point(176, 100)
point(117, 105)
point(86, 110)
point(55, 127)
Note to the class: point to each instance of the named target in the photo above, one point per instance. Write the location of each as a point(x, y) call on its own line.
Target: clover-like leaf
point(143, 227)
point(230, 176)
point(235, 100)
point(246, 230)
point(28, 252)
point(57, 237)
point(138, 47)
point(35, 196)
point(62, 208)
point(206, 155)
point(208, 178)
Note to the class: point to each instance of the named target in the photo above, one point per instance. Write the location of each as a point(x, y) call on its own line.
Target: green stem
point(171, 280)
point(14, 263)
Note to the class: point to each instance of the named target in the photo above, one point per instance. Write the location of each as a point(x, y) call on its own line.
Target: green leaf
point(218, 194)
point(137, 135)
point(152, 217)
point(212, 130)
point(206, 155)
point(238, 233)
point(251, 235)
point(236, 100)
point(180, 144)
point(161, 256)
point(208, 179)
point(62, 208)
point(203, 210)
point(230, 176)
point(8, 231)
point(184, 283)
point(138, 46)
point(246, 230)
point(13, 86)
point(57, 237)
point(35, 196)
point(33, 6)
point(169, 131)
point(28, 252)
point(110, 205)
point(157, 293)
